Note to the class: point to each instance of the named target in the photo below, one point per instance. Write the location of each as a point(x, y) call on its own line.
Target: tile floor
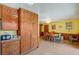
point(51, 48)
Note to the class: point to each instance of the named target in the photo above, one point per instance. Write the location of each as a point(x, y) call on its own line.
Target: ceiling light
point(48, 21)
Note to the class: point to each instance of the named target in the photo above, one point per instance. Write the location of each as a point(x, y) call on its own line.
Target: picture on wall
point(53, 26)
point(68, 25)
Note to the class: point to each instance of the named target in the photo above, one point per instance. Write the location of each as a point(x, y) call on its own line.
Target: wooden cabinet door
point(35, 26)
point(34, 31)
point(0, 47)
point(25, 44)
point(9, 18)
point(11, 48)
point(6, 49)
point(15, 47)
point(0, 12)
point(24, 30)
point(0, 17)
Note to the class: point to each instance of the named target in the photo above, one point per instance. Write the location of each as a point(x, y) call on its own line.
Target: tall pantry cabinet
point(28, 30)
point(25, 23)
point(34, 30)
point(0, 28)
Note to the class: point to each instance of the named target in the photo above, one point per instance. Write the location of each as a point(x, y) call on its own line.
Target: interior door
point(40, 30)
point(46, 28)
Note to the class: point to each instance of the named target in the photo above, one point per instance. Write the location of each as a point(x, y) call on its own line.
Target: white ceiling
point(52, 11)
point(58, 11)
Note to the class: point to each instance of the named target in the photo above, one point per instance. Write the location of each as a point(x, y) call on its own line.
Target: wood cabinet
point(0, 47)
point(0, 17)
point(34, 30)
point(26, 23)
point(9, 18)
point(11, 48)
point(9, 21)
point(65, 36)
point(24, 30)
point(28, 30)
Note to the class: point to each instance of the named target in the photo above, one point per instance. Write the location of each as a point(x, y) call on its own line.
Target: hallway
point(50, 48)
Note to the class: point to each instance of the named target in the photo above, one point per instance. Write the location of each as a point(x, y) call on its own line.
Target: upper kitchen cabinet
point(0, 17)
point(0, 12)
point(9, 18)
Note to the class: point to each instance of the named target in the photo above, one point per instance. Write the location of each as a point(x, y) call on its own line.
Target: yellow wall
point(74, 30)
point(42, 28)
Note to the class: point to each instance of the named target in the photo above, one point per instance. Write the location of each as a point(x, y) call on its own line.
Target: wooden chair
point(73, 37)
point(47, 36)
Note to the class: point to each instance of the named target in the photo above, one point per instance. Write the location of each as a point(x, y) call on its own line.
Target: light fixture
point(48, 21)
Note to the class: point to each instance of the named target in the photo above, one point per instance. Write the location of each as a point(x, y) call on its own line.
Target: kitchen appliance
point(6, 37)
